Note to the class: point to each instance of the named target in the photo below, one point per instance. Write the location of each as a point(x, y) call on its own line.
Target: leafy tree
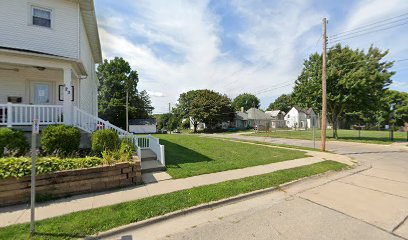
point(356, 82)
point(169, 121)
point(400, 99)
point(116, 78)
point(246, 101)
point(284, 103)
point(204, 106)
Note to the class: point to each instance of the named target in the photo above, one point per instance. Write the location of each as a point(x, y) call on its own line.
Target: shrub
point(126, 149)
point(20, 167)
point(104, 140)
point(13, 142)
point(60, 140)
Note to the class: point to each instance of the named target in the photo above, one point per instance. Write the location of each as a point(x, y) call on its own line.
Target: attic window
point(41, 17)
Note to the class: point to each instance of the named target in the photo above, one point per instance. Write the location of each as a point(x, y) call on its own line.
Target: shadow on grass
point(59, 235)
point(177, 154)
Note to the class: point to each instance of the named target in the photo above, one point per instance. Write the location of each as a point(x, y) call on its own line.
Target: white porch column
point(67, 105)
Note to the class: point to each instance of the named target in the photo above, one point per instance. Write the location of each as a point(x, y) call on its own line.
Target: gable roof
point(241, 115)
point(255, 113)
point(304, 110)
point(151, 121)
point(274, 113)
point(91, 27)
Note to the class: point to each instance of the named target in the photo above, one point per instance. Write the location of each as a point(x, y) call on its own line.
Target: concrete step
point(149, 166)
point(148, 155)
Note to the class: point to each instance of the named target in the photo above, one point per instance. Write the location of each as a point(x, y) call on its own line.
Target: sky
point(238, 46)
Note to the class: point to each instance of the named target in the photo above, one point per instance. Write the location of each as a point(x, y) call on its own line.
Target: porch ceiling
point(18, 58)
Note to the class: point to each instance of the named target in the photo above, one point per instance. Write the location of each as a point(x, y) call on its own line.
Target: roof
point(274, 113)
point(304, 110)
point(91, 27)
point(255, 113)
point(151, 121)
point(241, 115)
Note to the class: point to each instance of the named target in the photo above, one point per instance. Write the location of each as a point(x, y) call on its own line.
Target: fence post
point(9, 114)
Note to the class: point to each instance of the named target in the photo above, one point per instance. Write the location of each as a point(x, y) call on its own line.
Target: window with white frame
point(41, 17)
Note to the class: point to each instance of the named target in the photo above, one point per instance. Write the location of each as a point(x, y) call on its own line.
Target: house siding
point(18, 32)
point(88, 86)
point(18, 84)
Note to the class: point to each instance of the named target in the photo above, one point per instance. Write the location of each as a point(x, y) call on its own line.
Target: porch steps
point(150, 162)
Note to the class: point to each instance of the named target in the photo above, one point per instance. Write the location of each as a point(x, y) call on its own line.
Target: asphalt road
point(368, 204)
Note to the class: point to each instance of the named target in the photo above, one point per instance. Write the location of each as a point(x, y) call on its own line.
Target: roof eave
point(91, 27)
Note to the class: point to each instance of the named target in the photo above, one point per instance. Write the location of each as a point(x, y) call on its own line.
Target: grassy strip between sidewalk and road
point(90, 222)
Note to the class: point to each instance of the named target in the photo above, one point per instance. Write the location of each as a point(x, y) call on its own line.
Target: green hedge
point(105, 140)
point(20, 167)
point(13, 141)
point(60, 140)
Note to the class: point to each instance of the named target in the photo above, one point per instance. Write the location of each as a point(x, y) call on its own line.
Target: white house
point(48, 52)
point(301, 118)
point(277, 118)
point(142, 126)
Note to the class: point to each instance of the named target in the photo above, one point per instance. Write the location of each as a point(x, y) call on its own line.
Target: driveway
point(370, 202)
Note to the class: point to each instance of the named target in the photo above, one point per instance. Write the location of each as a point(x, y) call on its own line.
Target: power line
point(367, 25)
point(364, 30)
point(358, 35)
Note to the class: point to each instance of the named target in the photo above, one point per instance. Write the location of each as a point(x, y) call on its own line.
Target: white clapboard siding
point(17, 30)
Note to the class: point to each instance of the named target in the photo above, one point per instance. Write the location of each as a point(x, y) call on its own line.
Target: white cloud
point(155, 94)
point(176, 46)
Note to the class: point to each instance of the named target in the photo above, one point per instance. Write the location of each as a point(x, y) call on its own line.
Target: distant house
point(277, 118)
point(301, 118)
point(240, 120)
point(142, 126)
point(258, 119)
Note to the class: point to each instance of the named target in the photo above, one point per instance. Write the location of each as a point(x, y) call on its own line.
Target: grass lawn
point(366, 136)
point(188, 155)
point(277, 144)
point(89, 222)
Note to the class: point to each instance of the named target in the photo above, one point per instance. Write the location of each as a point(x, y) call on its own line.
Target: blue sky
point(237, 46)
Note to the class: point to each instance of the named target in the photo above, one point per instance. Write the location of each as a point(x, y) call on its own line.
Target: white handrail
point(24, 114)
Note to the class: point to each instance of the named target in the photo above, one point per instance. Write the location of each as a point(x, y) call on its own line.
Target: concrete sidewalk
point(157, 184)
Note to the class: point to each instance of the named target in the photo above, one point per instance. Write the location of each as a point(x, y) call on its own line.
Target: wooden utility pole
point(324, 99)
point(127, 110)
point(169, 108)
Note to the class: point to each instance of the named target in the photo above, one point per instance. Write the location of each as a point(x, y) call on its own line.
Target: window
point(41, 17)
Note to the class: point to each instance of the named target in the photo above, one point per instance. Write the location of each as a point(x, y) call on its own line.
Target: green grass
point(81, 224)
point(188, 155)
point(366, 136)
point(275, 144)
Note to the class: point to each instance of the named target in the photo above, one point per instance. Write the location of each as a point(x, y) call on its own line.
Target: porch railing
point(91, 123)
point(24, 114)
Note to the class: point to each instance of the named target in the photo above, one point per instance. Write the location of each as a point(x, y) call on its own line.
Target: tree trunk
point(195, 126)
point(335, 123)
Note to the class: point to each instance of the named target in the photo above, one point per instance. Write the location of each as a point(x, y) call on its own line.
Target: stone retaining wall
point(67, 183)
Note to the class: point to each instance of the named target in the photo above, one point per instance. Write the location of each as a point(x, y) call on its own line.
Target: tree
point(283, 102)
point(400, 99)
point(246, 101)
point(168, 121)
point(115, 79)
point(205, 106)
point(356, 82)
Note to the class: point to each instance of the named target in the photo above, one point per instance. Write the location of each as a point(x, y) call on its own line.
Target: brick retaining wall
point(71, 182)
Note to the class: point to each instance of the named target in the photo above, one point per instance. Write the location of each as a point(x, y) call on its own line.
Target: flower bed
point(79, 176)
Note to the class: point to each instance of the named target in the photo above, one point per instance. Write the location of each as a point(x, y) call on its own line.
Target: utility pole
point(127, 110)
point(169, 108)
point(324, 99)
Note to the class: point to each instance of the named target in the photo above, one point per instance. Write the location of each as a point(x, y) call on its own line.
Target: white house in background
point(277, 118)
point(301, 118)
point(142, 126)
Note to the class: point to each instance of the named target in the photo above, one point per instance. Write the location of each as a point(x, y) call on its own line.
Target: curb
point(205, 206)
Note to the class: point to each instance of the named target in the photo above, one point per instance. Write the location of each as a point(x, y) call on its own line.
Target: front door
point(41, 93)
